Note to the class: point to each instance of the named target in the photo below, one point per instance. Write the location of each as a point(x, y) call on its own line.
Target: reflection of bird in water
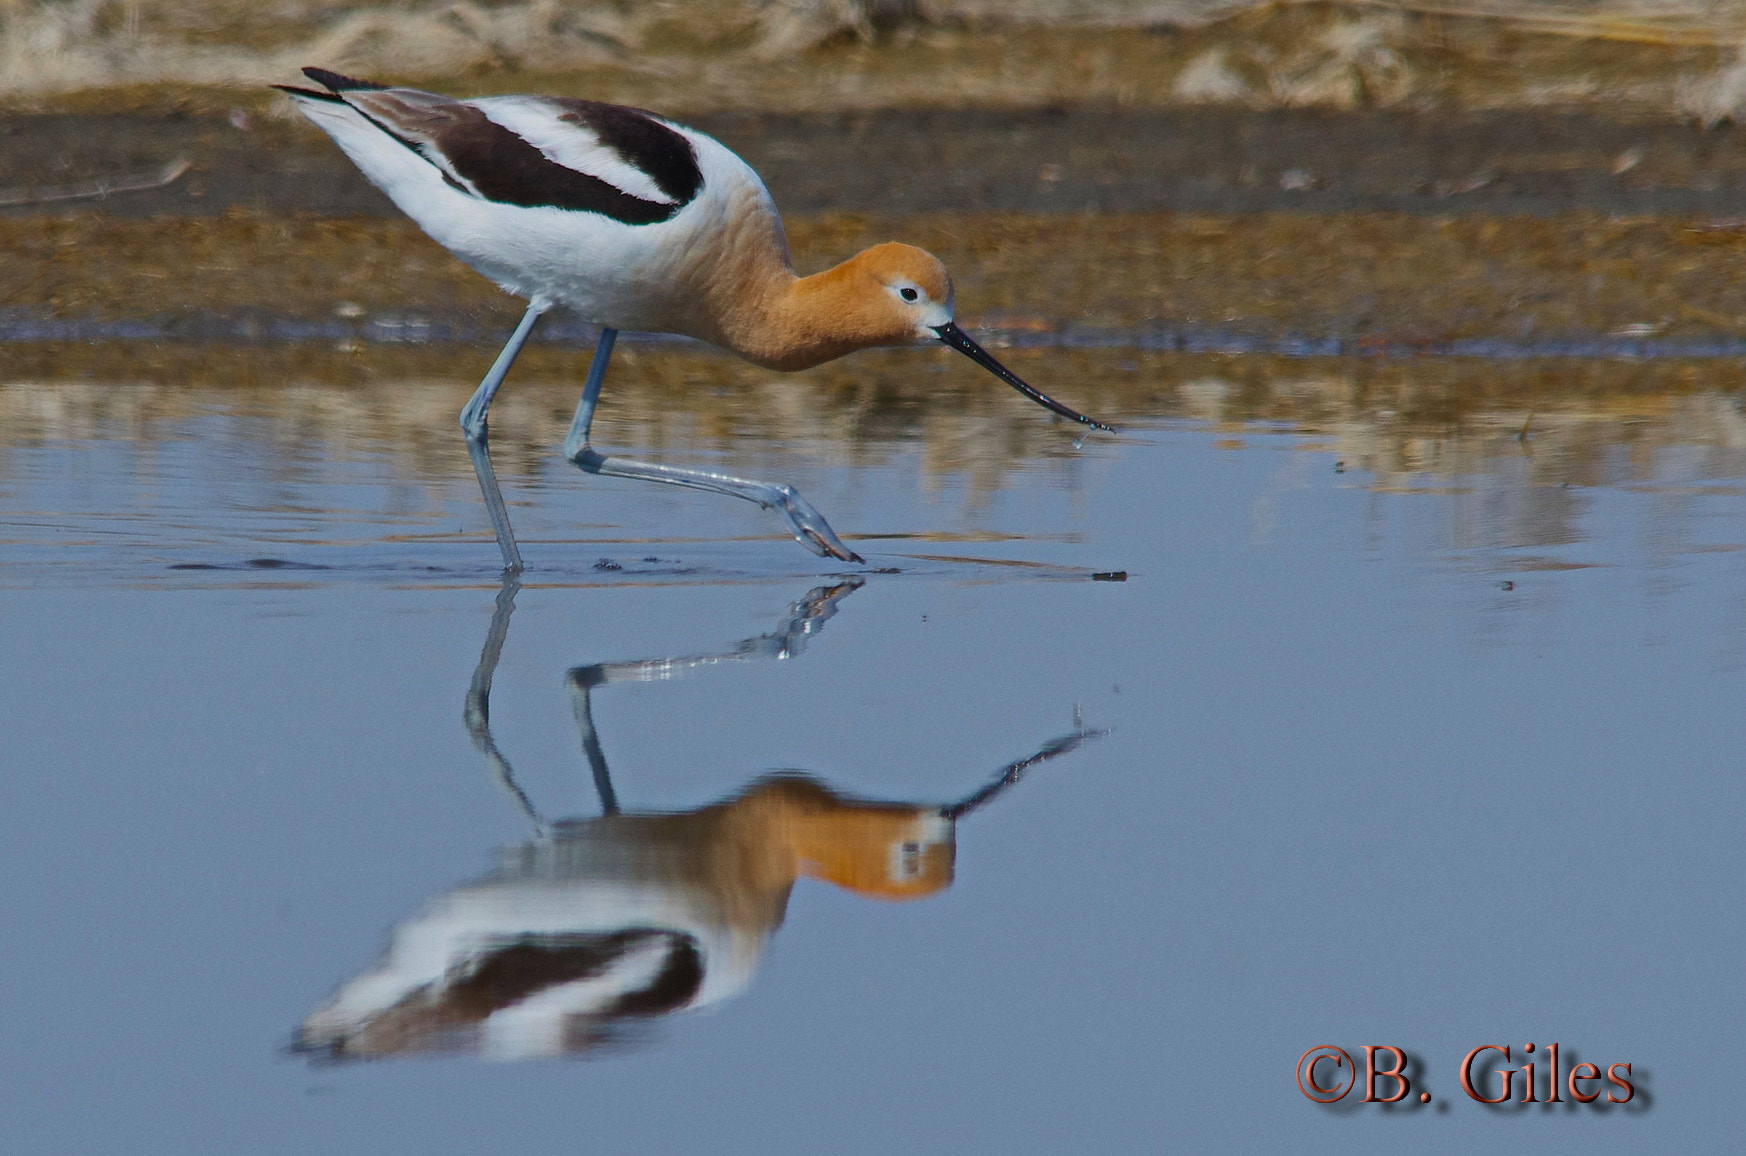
point(634, 223)
point(597, 924)
point(623, 917)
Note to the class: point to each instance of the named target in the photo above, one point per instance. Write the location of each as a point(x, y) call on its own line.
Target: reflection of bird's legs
point(1013, 772)
point(805, 619)
point(805, 523)
point(474, 423)
point(477, 712)
point(582, 679)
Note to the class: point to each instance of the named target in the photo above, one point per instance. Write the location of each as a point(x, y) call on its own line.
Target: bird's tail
point(333, 82)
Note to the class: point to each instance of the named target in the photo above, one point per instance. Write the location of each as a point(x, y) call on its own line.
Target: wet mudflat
point(1073, 158)
point(1392, 283)
point(1423, 732)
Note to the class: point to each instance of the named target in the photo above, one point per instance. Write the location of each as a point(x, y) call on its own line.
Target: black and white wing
point(535, 151)
point(534, 994)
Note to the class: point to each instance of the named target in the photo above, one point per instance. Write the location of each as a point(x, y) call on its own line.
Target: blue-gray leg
point(477, 712)
point(805, 523)
point(805, 619)
point(583, 679)
point(475, 424)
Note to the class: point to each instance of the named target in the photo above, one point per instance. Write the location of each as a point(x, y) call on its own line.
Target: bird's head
point(906, 294)
point(908, 285)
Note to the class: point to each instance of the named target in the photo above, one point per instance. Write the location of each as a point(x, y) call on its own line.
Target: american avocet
point(595, 924)
point(622, 918)
point(633, 222)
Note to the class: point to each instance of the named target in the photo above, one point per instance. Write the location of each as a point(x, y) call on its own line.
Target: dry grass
point(1678, 59)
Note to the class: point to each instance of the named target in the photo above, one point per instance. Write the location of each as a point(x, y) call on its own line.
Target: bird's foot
point(829, 547)
point(809, 527)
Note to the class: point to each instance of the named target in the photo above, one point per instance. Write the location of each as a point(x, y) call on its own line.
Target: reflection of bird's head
point(877, 849)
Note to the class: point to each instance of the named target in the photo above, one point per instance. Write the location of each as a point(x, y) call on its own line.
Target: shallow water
point(1424, 730)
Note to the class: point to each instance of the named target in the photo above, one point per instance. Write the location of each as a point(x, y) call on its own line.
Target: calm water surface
point(1425, 736)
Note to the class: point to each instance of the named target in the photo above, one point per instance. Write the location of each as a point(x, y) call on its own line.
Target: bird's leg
point(474, 423)
point(805, 619)
point(477, 711)
point(805, 523)
point(583, 679)
point(577, 438)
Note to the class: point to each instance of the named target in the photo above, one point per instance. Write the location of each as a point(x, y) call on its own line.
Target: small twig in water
point(136, 182)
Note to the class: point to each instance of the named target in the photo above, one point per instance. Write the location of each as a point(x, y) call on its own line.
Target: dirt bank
point(1052, 160)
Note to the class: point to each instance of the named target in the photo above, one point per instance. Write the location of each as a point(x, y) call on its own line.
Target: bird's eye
point(907, 293)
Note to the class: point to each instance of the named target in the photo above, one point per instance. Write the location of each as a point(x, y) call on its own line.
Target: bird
point(597, 925)
point(605, 922)
point(632, 222)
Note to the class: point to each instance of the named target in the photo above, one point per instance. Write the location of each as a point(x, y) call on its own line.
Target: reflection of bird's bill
point(962, 342)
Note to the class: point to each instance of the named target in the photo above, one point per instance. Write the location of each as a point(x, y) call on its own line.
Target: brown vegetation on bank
point(1623, 57)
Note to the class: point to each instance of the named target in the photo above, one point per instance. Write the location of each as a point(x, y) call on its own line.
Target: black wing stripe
point(497, 163)
point(520, 970)
point(642, 142)
point(679, 981)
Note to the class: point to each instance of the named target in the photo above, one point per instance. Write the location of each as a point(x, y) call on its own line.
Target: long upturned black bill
point(959, 340)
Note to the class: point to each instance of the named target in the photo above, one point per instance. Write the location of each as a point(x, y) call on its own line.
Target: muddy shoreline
point(1044, 160)
point(1355, 279)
